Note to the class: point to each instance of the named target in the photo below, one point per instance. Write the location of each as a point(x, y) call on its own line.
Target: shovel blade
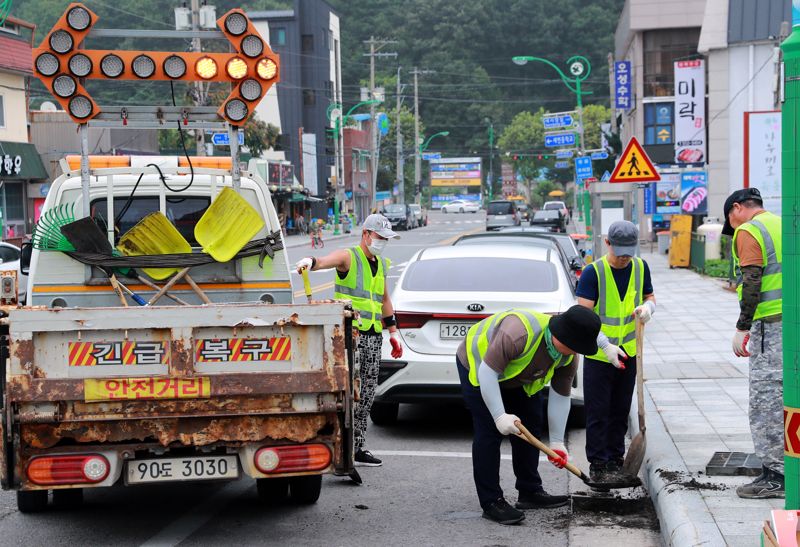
point(635, 456)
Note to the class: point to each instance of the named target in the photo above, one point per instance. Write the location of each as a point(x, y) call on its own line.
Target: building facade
point(736, 41)
point(308, 40)
point(358, 170)
point(21, 170)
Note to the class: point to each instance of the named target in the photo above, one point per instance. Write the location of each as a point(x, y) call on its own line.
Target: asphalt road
point(423, 494)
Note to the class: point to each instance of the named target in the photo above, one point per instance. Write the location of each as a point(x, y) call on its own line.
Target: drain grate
point(733, 463)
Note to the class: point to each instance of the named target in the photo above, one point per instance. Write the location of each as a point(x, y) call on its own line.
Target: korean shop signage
point(690, 111)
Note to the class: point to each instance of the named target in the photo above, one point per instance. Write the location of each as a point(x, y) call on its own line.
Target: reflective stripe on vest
point(364, 290)
point(766, 230)
point(480, 336)
point(616, 316)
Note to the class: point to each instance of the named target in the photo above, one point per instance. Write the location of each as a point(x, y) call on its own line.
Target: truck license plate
point(453, 331)
point(182, 469)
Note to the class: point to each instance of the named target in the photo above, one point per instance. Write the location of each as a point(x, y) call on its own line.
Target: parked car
point(9, 260)
point(551, 219)
point(400, 215)
point(565, 242)
point(461, 206)
point(420, 214)
point(559, 206)
point(523, 236)
point(445, 290)
point(501, 213)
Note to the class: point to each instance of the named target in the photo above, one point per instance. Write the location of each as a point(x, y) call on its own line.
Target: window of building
point(2, 112)
point(331, 42)
point(661, 49)
point(14, 201)
point(362, 162)
point(307, 43)
point(309, 97)
point(280, 37)
point(658, 123)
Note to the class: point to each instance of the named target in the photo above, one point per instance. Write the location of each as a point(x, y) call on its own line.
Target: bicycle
point(316, 238)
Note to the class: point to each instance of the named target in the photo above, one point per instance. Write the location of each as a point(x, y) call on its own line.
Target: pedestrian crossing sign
point(634, 165)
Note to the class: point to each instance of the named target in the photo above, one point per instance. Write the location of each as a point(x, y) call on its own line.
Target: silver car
point(444, 291)
point(501, 213)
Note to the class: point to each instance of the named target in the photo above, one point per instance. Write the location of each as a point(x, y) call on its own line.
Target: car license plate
point(500, 217)
point(452, 331)
point(182, 469)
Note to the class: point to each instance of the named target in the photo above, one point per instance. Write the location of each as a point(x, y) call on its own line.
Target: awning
point(20, 161)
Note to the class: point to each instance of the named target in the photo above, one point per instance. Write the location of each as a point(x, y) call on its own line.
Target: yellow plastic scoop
point(154, 235)
point(227, 226)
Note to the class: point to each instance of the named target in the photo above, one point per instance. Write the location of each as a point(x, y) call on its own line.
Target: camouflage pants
point(368, 361)
point(766, 393)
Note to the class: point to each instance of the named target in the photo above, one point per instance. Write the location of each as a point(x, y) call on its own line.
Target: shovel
point(227, 225)
point(635, 456)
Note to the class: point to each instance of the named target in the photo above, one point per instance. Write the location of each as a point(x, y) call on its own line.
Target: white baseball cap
point(380, 225)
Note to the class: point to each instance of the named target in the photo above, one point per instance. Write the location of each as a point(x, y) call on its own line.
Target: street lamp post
point(335, 116)
point(490, 177)
point(579, 67)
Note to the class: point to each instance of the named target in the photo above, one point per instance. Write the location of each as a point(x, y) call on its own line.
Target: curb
point(305, 242)
point(683, 515)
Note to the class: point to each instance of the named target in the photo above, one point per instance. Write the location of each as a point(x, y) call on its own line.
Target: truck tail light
point(292, 458)
point(80, 469)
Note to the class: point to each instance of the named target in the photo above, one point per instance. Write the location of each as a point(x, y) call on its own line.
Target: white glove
point(740, 341)
point(645, 311)
point(614, 354)
point(505, 424)
point(304, 263)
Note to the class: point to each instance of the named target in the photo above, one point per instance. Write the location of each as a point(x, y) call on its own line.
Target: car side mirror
point(575, 263)
point(25, 257)
point(583, 253)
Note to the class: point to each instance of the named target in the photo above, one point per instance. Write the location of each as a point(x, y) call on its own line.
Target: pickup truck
point(96, 394)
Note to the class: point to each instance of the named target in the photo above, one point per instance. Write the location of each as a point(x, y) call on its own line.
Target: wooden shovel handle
point(175, 278)
point(196, 288)
point(528, 436)
point(640, 372)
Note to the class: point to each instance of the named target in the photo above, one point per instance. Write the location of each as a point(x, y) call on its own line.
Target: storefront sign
point(694, 192)
point(690, 111)
point(762, 156)
point(622, 85)
point(11, 165)
point(668, 194)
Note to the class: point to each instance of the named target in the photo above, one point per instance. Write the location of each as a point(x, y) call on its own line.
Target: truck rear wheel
point(68, 498)
point(306, 489)
point(31, 501)
point(273, 491)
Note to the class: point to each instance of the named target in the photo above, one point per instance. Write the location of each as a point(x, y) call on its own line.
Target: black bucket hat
point(577, 328)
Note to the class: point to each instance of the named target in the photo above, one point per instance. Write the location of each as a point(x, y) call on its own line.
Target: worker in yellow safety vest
point(361, 278)
point(758, 256)
point(503, 364)
point(619, 289)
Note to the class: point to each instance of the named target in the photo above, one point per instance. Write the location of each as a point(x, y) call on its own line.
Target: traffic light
point(252, 69)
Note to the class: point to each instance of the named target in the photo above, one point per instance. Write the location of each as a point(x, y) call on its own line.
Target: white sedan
point(9, 260)
point(445, 290)
point(461, 206)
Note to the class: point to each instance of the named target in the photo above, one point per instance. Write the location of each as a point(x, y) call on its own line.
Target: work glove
point(397, 348)
point(561, 450)
point(740, 340)
point(645, 311)
point(612, 352)
point(506, 424)
point(304, 264)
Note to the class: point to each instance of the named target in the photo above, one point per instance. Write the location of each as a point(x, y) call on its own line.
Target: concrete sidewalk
point(696, 404)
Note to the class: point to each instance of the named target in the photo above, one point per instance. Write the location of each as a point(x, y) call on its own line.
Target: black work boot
point(540, 500)
point(769, 485)
point(500, 511)
point(598, 472)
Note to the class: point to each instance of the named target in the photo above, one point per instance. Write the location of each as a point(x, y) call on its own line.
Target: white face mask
point(377, 246)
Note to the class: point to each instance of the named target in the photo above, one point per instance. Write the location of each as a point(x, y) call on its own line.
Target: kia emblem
point(475, 307)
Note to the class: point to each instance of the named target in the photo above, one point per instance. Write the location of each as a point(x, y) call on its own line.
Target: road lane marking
point(437, 454)
point(450, 240)
point(194, 519)
point(318, 288)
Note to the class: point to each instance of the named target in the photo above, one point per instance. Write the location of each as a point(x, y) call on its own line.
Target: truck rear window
point(182, 212)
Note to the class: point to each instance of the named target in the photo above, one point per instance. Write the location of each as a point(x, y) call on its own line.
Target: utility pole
point(417, 158)
point(491, 157)
point(199, 95)
point(400, 178)
point(374, 48)
point(611, 86)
